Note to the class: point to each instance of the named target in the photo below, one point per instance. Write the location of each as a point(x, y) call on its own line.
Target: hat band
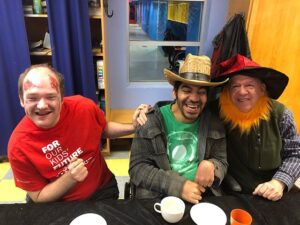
point(195, 76)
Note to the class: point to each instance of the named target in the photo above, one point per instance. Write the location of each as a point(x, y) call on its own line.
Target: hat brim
point(274, 80)
point(173, 77)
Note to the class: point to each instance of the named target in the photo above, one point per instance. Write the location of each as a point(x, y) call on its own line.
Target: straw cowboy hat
point(275, 81)
point(195, 70)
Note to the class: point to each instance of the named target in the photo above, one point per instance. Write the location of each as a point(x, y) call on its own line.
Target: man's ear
point(21, 101)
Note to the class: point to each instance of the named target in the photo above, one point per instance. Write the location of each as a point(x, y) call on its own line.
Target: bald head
point(41, 74)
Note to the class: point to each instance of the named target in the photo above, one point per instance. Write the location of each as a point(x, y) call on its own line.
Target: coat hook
point(105, 4)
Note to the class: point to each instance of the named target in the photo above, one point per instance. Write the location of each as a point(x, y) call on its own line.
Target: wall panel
point(274, 37)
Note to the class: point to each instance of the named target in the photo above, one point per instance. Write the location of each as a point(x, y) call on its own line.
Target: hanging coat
point(231, 40)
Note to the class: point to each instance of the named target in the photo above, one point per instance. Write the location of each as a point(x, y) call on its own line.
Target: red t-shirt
point(38, 156)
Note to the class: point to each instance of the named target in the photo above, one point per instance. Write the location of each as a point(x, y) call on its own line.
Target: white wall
point(215, 17)
point(124, 95)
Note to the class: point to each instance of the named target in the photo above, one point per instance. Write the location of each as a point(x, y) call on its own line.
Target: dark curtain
point(14, 59)
point(72, 56)
point(231, 40)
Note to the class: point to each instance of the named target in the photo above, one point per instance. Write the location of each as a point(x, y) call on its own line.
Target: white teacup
point(171, 209)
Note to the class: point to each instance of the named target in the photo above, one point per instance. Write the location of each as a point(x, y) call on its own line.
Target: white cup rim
point(178, 200)
point(180, 203)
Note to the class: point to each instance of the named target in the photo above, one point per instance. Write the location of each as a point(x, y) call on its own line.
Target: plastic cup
point(240, 217)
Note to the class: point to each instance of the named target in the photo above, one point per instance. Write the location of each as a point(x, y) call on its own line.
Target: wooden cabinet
point(38, 53)
point(37, 33)
point(104, 93)
point(99, 55)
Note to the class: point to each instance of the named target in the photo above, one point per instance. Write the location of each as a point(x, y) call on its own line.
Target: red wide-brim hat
point(275, 81)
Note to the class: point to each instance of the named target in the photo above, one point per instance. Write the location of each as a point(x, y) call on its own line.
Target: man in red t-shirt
point(54, 151)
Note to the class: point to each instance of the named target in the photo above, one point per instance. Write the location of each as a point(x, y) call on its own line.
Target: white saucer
point(207, 214)
point(89, 219)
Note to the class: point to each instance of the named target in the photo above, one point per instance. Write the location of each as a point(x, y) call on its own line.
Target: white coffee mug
point(171, 209)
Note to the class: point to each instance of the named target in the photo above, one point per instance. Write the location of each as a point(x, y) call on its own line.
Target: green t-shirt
point(182, 144)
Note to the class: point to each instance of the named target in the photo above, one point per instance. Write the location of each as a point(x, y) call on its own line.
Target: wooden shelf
point(95, 13)
point(122, 116)
point(97, 17)
point(105, 150)
point(47, 52)
point(97, 52)
point(36, 15)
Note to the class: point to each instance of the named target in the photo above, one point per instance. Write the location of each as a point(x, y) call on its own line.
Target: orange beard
point(244, 121)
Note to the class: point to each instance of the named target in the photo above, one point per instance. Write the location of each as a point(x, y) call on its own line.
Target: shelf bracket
point(105, 4)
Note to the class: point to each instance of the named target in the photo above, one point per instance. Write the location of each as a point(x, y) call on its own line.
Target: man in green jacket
point(263, 147)
point(181, 150)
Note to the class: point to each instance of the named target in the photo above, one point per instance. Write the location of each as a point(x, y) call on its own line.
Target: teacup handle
point(157, 210)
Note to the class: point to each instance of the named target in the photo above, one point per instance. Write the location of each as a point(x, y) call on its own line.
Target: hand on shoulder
point(139, 117)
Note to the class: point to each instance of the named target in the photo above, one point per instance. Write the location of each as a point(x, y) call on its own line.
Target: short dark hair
point(58, 76)
point(176, 85)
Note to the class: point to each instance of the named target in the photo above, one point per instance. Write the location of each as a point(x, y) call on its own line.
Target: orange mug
point(240, 217)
